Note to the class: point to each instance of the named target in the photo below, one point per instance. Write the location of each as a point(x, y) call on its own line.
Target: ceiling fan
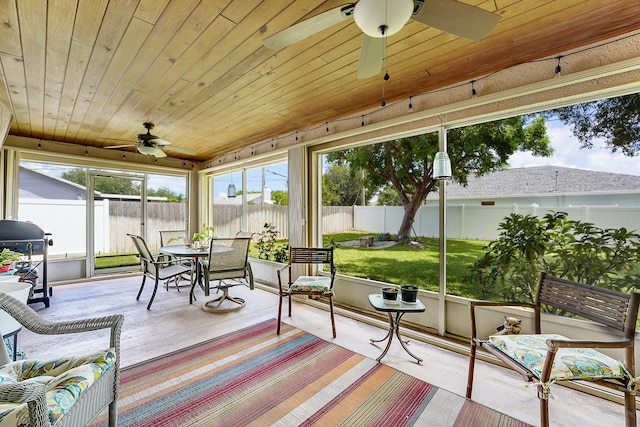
point(381, 18)
point(152, 145)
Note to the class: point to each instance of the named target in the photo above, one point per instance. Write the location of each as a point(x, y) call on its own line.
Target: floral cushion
point(65, 380)
point(569, 363)
point(311, 284)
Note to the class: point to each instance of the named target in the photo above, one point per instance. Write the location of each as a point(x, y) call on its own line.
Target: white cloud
point(567, 153)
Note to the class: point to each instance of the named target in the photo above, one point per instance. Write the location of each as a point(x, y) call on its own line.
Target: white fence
point(66, 219)
point(482, 222)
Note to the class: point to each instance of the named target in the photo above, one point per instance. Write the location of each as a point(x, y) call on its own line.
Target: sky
point(567, 153)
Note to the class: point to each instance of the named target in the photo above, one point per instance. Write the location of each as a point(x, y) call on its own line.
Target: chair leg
point(279, 311)
point(472, 364)
point(141, 287)
point(333, 321)
point(289, 304)
point(113, 414)
point(629, 409)
point(544, 407)
point(153, 294)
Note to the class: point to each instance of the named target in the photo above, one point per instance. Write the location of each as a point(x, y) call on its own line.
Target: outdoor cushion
point(65, 379)
point(311, 284)
point(569, 363)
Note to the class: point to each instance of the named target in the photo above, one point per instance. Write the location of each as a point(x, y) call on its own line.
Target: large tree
point(616, 121)
point(340, 185)
point(120, 185)
point(407, 164)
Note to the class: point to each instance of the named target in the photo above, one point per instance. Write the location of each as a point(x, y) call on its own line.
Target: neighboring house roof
point(35, 184)
point(251, 198)
point(543, 179)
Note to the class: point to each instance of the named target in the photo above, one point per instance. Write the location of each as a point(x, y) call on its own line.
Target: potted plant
point(202, 237)
point(409, 294)
point(268, 247)
point(269, 254)
point(7, 257)
point(390, 295)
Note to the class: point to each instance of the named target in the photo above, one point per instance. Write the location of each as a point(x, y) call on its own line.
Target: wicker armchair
point(94, 399)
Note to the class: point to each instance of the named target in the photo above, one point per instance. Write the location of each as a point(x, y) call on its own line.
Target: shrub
point(565, 248)
point(267, 245)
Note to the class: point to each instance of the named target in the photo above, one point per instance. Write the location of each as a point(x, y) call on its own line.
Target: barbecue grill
point(28, 239)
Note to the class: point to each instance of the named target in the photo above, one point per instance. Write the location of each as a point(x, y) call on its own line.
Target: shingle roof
point(543, 179)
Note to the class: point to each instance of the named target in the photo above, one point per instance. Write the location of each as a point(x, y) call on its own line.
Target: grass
point(120, 260)
point(400, 264)
point(406, 265)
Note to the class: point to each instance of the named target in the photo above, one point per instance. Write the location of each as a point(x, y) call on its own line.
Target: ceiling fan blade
point(180, 150)
point(309, 27)
point(457, 18)
point(371, 56)
point(122, 146)
point(159, 141)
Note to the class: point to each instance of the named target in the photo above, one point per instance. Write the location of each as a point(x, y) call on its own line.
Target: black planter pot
point(390, 294)
point(409, 293)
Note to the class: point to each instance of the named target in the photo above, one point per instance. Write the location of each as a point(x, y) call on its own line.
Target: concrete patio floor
point(172, 324)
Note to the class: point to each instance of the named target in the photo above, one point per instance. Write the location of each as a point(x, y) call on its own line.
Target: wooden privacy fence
point(228, 219)
point(124, 217)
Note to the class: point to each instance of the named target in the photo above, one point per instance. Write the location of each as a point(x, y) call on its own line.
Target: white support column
point(442, 292)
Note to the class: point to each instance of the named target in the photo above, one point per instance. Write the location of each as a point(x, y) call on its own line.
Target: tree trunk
point(410, 210)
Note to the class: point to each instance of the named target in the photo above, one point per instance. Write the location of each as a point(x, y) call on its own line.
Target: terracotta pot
point(4, 268)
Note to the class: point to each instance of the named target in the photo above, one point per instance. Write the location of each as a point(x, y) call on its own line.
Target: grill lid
point(20, 230)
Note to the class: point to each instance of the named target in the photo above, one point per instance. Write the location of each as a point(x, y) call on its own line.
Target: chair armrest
point(34, 394)
point(31, 320)
point(555, 344)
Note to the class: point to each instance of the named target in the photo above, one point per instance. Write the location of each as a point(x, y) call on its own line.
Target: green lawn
point(407, 265)
point(109, 261)
point(399, 264)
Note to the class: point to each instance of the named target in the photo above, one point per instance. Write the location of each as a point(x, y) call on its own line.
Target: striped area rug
point(255, 377)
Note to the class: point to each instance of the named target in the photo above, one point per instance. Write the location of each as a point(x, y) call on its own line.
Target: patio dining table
point(186, 251)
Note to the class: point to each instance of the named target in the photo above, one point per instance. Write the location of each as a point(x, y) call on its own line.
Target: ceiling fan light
point(149, 151)
point(371, 15)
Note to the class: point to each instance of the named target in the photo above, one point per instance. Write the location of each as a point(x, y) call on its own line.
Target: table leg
point(196, 279)
point(389, 335)
point(403, 343)
point(394, 327)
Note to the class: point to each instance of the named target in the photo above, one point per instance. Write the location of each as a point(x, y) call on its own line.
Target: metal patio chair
point(156, 268)
point(308, 285)
point(230, 268)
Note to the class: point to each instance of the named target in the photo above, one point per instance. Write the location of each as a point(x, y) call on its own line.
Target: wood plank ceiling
point(90, 72)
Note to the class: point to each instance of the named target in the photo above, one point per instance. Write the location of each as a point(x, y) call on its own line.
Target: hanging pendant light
point(231, 190)
point(442, 166)
point(378, 18)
